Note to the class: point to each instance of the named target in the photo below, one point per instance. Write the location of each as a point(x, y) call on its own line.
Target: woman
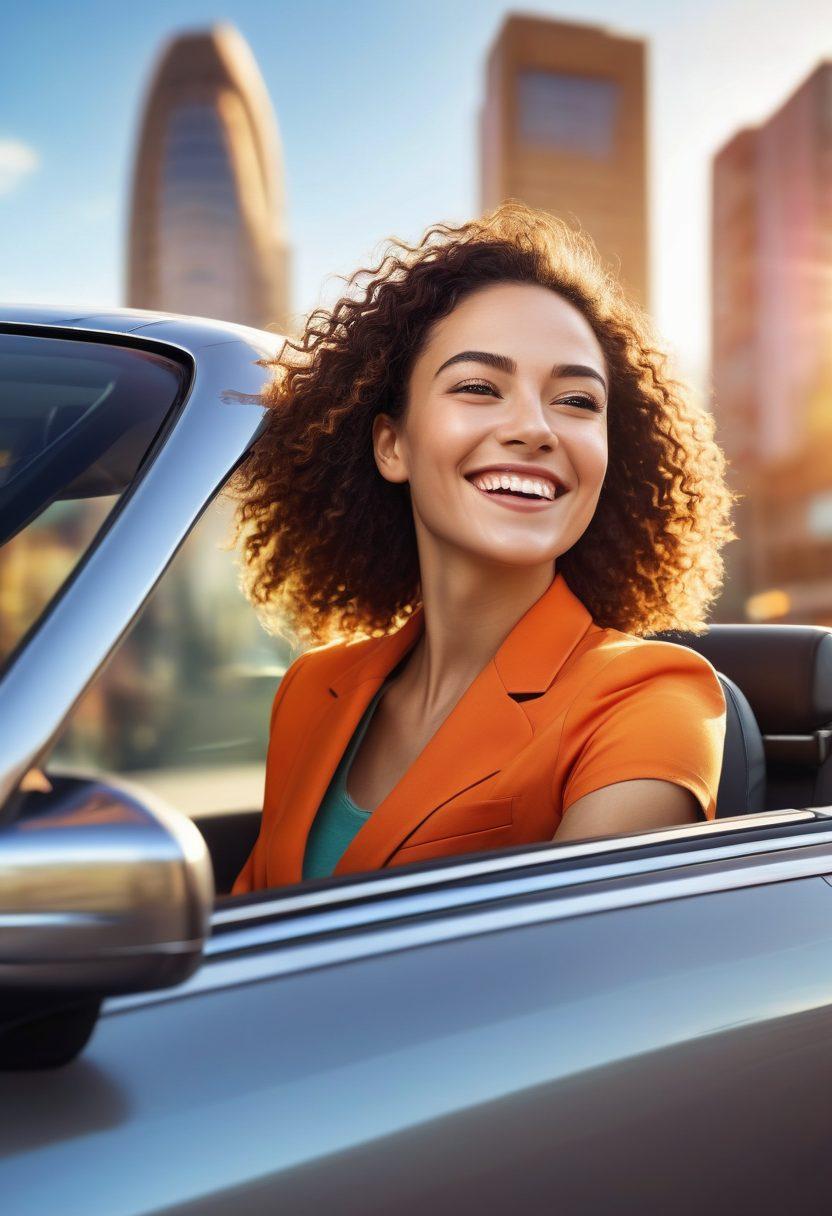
point(477, 487)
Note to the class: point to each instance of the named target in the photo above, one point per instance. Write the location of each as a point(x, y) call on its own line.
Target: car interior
point(778, 688)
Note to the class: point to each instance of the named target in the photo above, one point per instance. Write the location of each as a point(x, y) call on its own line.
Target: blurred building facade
point(185, 701)
point(772, 355)
point(207, 225)
point(563, 127)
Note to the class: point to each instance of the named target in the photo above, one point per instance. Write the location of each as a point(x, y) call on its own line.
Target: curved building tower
point(207, 232)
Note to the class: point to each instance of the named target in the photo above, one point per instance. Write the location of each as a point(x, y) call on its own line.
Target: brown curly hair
point(330, 545)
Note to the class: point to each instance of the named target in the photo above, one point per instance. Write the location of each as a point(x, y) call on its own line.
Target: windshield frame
point(197, 449)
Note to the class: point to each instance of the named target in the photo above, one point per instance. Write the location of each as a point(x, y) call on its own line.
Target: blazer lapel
point(324, 742)
point(482, 733)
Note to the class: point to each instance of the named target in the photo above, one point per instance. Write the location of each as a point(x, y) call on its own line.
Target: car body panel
point(566, 1064)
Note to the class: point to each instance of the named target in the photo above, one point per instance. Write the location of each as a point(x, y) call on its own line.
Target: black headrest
point(785, 671)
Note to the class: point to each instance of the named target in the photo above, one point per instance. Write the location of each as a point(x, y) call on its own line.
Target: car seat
point(784, 673)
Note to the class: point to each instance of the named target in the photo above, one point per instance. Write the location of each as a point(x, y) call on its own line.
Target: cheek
point(440, 446)
point(593, 455)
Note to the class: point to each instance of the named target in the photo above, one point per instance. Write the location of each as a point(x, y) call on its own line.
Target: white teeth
point(515, 483)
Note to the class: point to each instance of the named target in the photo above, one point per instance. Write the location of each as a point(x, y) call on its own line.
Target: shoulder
point(305, 681)
point(314, 669)
point(649, 709)
point(327, 662)
point(623, 662)
point(653, 653)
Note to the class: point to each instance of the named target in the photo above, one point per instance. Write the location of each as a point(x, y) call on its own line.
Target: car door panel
point(614, 1061)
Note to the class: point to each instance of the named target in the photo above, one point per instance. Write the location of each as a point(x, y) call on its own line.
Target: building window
point(568, 112)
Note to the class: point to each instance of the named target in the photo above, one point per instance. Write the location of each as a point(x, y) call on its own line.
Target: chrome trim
point(395, 881)
point(215, 426)
point(187, 333)
point(327, 936)
point(810, 750)
point(629, 860)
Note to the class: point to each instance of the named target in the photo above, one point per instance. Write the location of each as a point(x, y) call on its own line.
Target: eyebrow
point(503, 363)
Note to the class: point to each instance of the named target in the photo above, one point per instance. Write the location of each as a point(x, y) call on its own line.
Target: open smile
point(516, 501)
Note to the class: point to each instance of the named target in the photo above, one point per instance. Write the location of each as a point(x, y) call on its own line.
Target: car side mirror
point(100, 893)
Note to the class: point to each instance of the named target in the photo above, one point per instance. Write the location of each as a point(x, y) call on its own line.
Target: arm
point(628, 807)
point(644, 744)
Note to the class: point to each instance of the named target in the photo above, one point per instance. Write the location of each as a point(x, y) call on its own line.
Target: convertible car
point(630, 1025)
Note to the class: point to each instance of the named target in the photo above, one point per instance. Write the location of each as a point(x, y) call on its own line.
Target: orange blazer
point(563, 707)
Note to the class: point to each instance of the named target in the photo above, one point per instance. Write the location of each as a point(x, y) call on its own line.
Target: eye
point(471, 386)
point(479, 386)
point(584, 401)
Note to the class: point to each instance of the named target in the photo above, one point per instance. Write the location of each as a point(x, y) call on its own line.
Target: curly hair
point(329, 545)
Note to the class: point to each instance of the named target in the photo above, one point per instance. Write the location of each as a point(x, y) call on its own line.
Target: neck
point(468, 614)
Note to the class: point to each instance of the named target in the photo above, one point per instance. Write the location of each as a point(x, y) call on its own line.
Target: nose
point(527, 424)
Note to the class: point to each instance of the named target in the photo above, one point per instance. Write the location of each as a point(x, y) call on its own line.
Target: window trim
point(329, 922)
point(195, 452)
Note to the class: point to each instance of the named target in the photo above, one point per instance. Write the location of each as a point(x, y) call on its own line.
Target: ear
point(388, 449)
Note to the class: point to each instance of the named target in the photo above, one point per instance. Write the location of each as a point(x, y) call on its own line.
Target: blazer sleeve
point(252, 875)
point(658, 710)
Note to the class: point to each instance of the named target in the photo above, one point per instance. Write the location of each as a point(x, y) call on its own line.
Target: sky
point(377, 106)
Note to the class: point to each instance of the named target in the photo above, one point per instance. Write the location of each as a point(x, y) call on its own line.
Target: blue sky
point(377, 106)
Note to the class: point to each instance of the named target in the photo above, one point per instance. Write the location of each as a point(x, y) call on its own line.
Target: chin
point(512, 555)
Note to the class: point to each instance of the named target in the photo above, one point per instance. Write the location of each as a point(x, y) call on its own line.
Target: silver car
point(630, 1025)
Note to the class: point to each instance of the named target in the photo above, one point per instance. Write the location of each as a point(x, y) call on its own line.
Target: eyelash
point(469, 386)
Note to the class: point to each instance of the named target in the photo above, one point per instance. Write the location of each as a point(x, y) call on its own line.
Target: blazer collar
point(483, 732)
point(528, 660)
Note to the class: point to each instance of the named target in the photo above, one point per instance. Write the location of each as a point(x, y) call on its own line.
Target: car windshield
point(77, 418)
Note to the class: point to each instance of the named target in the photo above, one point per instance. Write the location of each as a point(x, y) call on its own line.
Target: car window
point(182, 708)
point(76, 421)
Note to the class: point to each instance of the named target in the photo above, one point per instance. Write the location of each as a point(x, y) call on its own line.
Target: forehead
point(529, 323)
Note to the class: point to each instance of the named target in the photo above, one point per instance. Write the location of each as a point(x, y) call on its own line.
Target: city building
point(207, 225)
point(771, 257)
point(734, 312)
point(563, 128)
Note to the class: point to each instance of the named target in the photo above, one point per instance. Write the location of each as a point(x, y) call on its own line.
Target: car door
point(621, 1025)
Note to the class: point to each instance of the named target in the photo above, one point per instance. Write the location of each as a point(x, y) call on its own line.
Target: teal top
point(338, 818)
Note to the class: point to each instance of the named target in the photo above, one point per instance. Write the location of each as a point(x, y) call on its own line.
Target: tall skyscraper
point(772, 348)
point(207, 228)
point(734, 308)
point(563, 128)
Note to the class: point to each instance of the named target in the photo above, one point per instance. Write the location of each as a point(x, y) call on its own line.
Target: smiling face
point(509, 391)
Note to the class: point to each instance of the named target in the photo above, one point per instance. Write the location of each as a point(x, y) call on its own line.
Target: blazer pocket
point(463, 819)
